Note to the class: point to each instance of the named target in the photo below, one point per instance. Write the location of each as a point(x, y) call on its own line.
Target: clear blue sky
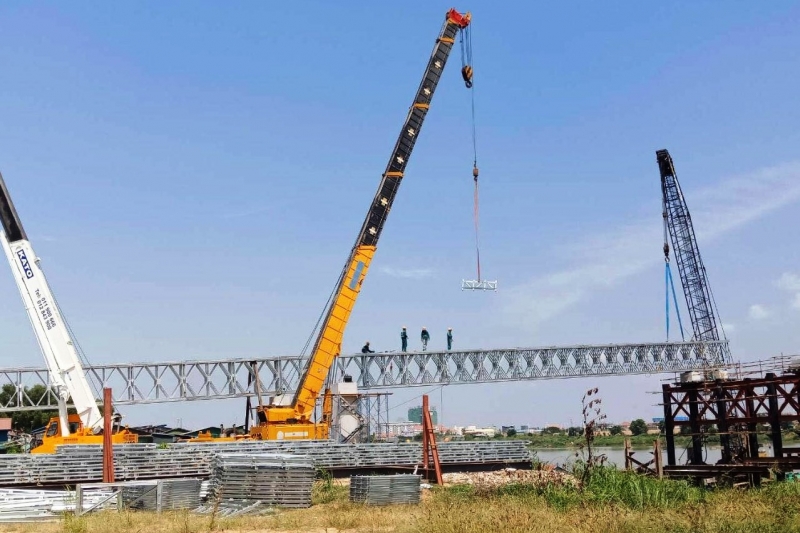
point(193, 175)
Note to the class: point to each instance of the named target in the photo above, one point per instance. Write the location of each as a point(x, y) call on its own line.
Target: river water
point(616, 456)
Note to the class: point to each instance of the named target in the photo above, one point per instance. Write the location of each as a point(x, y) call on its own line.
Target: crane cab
point(78, 435)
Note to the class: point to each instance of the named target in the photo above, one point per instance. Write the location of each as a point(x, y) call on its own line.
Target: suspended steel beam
point(144, 383)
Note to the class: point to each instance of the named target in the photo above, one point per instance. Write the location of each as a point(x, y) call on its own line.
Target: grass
point(611, 501)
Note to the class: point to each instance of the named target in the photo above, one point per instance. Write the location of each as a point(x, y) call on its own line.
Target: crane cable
point(668, 281)
point(467, 72)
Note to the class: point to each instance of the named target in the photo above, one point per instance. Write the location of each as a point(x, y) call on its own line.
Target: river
point(616, 456)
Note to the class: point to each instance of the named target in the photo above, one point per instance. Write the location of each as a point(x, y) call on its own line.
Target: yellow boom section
point(330, 342)
point(295, 421)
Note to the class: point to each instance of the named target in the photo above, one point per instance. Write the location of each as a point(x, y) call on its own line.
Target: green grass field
point(611, 501)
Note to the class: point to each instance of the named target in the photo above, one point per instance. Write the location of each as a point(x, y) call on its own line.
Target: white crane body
point(67, 377)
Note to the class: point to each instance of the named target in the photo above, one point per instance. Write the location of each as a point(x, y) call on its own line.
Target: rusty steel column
point(752, 426)
point(108, 449)
point(694, 424)
point(775, 422)
point(722, 423)
point(669, 424)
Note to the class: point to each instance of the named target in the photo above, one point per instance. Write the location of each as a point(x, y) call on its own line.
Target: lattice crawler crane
point(694, 279)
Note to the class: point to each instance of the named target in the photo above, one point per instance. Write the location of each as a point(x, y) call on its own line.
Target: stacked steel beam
point(282, 480)
point(175, 494)
point(84, 463)
point(25, 505)
point(385, 490)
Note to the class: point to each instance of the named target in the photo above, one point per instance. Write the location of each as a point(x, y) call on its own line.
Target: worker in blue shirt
point(425, 336)
point(449, 338)
point(366, 349)
point(404, 339)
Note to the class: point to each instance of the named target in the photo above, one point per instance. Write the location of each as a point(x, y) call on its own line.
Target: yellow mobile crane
point(295, 421)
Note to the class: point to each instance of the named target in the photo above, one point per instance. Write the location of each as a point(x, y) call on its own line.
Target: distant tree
point(551, 430)
point(574, 431)
point(26, 421)
point(638, 427)
point(661, 426)
point(686, 430)
point(615, 430)
point(511, 432)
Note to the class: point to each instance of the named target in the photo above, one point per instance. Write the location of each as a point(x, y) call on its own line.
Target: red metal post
point(425, 433)
point(108, 450)
point(429, 442)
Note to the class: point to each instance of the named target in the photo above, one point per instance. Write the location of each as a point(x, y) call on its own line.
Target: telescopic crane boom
point(67, 377)
point(295, 421)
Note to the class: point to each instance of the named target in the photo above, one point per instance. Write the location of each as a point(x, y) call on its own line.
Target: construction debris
point(508, 476)
point(385, 490)
point(29, 505)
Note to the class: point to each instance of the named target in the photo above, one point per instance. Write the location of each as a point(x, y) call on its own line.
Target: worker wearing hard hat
point(404, 339)
point(366, 348)
point(449, 338)
point(425, 336)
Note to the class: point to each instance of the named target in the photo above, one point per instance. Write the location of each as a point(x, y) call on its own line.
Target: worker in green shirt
point(425, 336)
point(449, 338)
point(404, 339)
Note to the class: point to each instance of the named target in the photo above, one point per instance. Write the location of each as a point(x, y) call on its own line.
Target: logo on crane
point(26, 266)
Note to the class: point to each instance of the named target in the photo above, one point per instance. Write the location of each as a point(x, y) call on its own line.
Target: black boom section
point(12, 226)
point(393, 175)
point(694, 279)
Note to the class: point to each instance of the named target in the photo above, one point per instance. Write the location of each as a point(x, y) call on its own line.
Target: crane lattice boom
point(693, 275)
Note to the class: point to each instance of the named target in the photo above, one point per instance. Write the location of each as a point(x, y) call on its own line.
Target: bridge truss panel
point(145, 383)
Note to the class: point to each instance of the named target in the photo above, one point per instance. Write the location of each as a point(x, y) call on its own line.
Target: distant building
point(5, 427)
point(479, 432)
point(523, 429)
point(415, 415)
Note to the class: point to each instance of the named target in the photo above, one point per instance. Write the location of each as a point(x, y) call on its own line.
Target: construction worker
point(449, 338)
point(366, 349)
point(425, 336)
point(404, 339)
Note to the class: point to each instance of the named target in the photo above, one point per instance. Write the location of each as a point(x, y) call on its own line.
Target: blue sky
point(193, 176)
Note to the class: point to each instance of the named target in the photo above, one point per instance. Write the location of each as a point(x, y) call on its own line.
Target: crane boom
point(66, 373)
point(693, 275)
point(295, 421)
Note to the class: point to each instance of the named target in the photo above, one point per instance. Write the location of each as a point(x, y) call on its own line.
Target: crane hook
point(466, 73)
point(475, 173)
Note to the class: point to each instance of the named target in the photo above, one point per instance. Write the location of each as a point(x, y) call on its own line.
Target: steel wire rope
point(467, 62)
point(314, 331)
point(416, 398)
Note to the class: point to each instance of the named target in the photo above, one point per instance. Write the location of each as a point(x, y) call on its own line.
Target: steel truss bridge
point(144, 383)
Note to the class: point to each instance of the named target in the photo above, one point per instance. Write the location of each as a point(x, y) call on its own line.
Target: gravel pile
point(507, 476)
